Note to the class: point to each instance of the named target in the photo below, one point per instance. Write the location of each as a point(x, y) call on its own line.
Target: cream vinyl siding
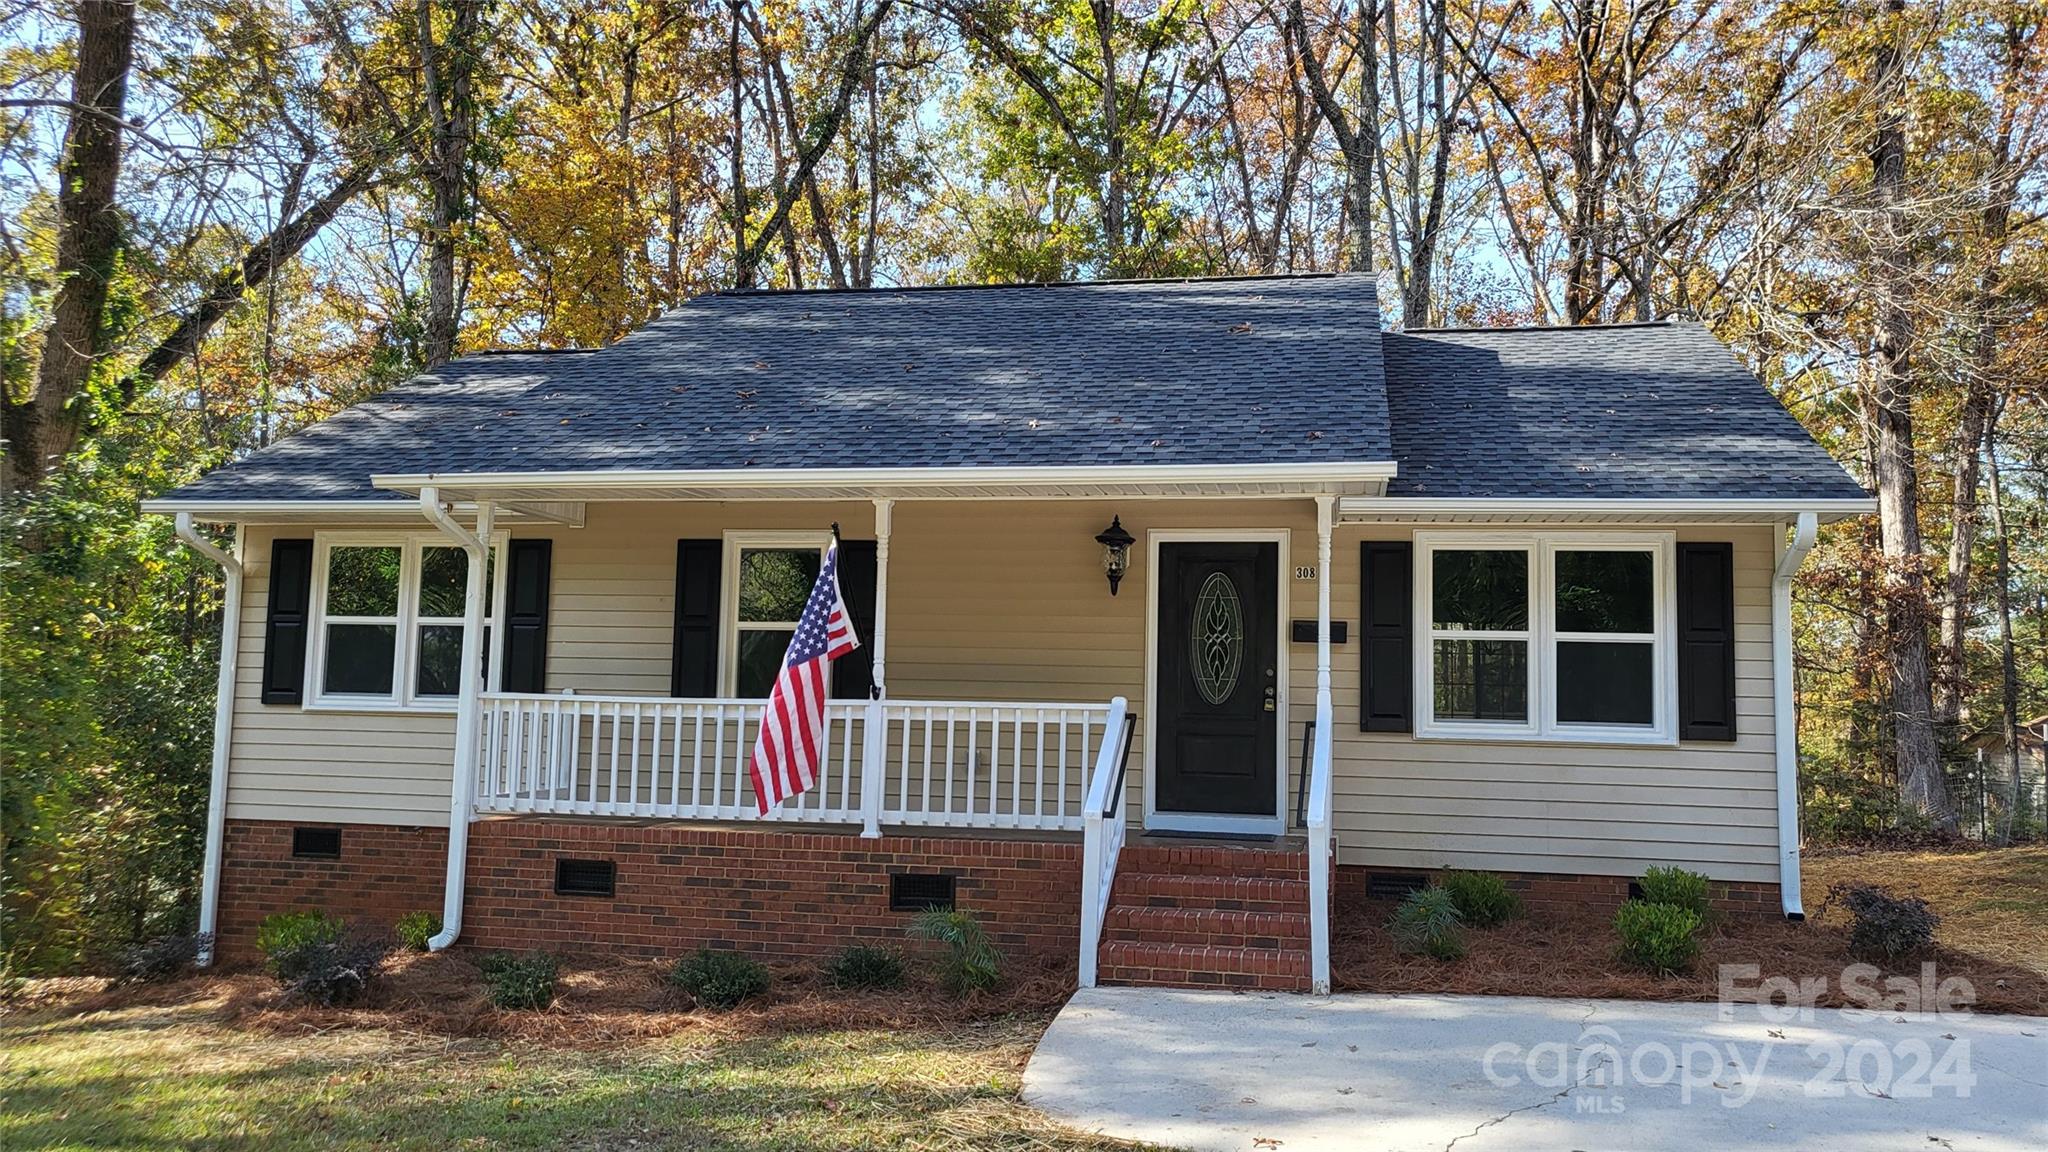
point(1006, 601)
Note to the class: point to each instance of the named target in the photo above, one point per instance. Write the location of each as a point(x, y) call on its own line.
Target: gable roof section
point(1262, 370)
point(1658, 411)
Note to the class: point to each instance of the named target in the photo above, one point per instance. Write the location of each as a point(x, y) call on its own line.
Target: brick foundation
point(1560, 891)
point(384, 872)
point(790, 892)
point(771, 893)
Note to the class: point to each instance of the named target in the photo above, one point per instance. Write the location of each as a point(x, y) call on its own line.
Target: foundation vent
point(316, 843)
point(586, 878)
point(920, 892)
point(1393, 885)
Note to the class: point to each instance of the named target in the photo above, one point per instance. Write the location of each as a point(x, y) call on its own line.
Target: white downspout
point(223, 723)
point(1784, 710)
point(461, 798)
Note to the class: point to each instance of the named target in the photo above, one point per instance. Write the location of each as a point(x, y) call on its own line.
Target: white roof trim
point(772, 479)
point(343, 511)
point(1458, 507)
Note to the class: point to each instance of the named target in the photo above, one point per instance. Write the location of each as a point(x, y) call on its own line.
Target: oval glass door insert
point(1216, 648)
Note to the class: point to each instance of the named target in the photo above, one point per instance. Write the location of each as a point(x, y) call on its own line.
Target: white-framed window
point(1558, 636)
point(387, 620)
point(768, 579)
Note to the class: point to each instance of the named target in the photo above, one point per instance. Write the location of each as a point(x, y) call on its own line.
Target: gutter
point(223, 724)
point(461, 802)
point(1784, 711)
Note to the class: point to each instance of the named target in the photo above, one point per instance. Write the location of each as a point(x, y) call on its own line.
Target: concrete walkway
point(1261, 1071)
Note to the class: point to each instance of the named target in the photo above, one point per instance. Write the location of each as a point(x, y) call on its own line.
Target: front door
point(1217, 689)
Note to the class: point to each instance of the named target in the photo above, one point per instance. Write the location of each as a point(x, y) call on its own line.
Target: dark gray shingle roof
point(1221, 371)
point(1658, 411)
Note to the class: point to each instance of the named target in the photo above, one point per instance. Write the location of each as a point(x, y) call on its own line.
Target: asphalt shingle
point(1253, 370)
point(1660, 411)
point(1221, 371)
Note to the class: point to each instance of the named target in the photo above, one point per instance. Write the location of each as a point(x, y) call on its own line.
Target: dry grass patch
point(1993, 902)
point(207, 1071)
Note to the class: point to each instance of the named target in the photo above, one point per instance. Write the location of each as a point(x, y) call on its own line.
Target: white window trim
point(1543, 637)
point(729, 623)
point(403, 698)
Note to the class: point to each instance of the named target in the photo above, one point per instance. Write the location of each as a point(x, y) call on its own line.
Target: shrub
point(513, 982)
point(1428, 922)
point(865, 966)
point(163, 958)
point(1657, 937)
point(972, 964)
point(286, 938)
point(719, 979)
point(1483, 899)
point(1678, 888)
point(335, 971)
point(1885, 927)
point(416, 928)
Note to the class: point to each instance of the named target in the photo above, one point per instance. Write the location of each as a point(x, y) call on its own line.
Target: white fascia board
point(768, 479)
point(1367, 507)
point(314, 511)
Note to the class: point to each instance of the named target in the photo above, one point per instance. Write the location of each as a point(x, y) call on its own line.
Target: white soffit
point(1447, 510)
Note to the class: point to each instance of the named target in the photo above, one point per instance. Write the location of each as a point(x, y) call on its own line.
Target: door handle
point(1269, 698)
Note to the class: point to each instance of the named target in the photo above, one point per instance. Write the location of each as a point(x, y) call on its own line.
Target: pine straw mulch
point(1570, 954)
point(599, 1002)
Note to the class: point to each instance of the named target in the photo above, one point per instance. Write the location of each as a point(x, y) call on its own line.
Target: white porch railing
point(930, 763)
point(1102, 836)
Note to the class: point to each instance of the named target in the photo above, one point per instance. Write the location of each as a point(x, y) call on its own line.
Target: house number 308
point(1304, 571)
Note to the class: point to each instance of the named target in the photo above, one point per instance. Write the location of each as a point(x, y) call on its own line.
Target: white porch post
point(875, 730)
point(462, 784)
point(1785, 709)
point(1324, 505)
point(1319, 790)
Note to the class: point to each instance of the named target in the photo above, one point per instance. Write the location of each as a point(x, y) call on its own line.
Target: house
point(1504, 599)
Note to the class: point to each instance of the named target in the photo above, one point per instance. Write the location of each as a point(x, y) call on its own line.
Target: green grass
point(150, 1078)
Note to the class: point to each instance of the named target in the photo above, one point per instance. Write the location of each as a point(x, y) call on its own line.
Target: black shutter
point(527, 567)
point(284, 632)
point(1385, 629)
point(700, 565)
point(853, 675)
point(1706, 642)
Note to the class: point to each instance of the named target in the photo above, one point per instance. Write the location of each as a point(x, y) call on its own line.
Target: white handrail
point(1102, 837)
point(1319, 853)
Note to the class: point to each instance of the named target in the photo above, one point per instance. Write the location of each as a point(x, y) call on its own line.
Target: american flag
point(793, 724)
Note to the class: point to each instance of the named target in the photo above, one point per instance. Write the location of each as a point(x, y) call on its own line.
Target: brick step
point(1199, 966)
point(1209, 860)
point(1159, 889)
point(1215, 926)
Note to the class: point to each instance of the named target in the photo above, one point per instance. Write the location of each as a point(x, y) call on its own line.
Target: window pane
point(362, 581)
point(760, 659)
point(774, 583)
point(359, 658)
point(440, 655)
point(1480, 590)
point(1605, 683)
point(1605, 592)
point(1482, 680)
point(444, 581)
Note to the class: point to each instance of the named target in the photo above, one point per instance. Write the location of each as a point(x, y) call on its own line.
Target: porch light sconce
point(1116, 551)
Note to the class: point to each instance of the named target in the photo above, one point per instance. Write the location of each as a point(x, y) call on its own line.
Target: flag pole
point(835, 532)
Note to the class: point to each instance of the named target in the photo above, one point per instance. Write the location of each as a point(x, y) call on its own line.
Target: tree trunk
point(43, 428)
point(2009, 713)
point(448, 84)
point(1358, 140)
point(1113, 139)
point(1922, 790)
